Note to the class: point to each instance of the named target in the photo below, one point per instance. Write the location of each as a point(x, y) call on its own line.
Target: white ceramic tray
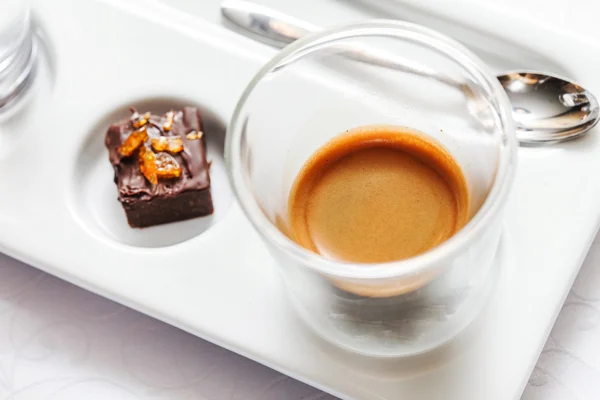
point(213, 277)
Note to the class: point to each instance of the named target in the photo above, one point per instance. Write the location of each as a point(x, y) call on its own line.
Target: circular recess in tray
point(95, 193)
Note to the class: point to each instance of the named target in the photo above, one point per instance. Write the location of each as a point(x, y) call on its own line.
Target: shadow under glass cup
point(17, 52)
point(377, 73)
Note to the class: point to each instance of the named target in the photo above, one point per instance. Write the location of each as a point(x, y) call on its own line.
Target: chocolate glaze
point(134, 189)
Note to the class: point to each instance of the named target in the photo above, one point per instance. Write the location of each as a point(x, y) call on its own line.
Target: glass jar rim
point(393, 269)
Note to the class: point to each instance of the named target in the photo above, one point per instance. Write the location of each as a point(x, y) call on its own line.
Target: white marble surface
point(60, 342)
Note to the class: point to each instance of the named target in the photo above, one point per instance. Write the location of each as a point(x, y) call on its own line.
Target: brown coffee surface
point(378, 194)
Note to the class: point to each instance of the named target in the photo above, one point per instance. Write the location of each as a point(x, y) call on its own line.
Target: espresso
point(378, 194)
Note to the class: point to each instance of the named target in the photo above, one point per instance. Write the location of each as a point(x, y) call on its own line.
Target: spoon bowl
point(548, 108)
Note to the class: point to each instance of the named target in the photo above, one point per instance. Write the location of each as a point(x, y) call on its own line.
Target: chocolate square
point(176, 199)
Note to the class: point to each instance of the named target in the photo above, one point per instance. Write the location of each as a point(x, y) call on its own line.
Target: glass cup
point(373, 73)
point(17, 52)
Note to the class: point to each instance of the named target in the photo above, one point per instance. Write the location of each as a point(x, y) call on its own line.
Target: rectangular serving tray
point(214, 278)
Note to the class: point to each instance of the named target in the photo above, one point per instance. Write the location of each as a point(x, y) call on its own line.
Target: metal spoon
point(546, 108)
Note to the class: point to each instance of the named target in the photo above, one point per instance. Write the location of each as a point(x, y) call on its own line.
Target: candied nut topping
point(148, 166)
point(133, 142)
point(161, 165)
point(169, 122)
point(155, 155)
point(141, 120)
point(193, 135)
point(172, 144)
point(167, 166)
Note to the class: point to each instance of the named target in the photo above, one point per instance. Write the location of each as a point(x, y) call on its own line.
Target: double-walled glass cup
point(377, 73)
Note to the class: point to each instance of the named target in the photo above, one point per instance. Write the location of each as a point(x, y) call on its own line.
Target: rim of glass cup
point(393, 269)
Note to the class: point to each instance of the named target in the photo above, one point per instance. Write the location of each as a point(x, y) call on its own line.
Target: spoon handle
point(279, 30)
point(263, 23)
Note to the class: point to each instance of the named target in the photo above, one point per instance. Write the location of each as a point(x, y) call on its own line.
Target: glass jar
point(17, 52)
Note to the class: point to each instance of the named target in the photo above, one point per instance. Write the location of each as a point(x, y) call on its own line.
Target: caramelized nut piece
point(169, 122)
point(193, 135)
point(172, 144)
point(148, 166)
point(141, 121)
point(133, 142)
point(167, 166)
